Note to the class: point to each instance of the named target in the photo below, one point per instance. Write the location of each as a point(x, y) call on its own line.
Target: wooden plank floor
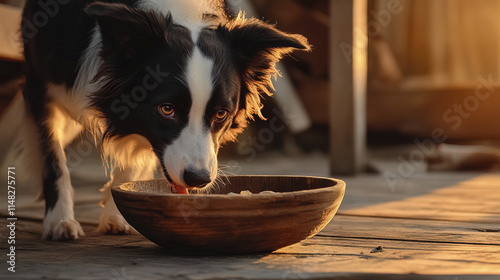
point(430, 225)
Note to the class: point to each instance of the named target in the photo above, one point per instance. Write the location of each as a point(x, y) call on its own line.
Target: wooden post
point(348, 70)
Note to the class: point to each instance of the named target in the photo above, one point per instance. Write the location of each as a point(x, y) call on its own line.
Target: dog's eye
point(166, 110)
point(221, 115)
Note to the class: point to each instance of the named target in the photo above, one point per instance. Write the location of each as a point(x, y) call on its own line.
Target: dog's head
point(186, 91)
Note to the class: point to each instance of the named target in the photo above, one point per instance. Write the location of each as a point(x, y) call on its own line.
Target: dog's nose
point(196, 178)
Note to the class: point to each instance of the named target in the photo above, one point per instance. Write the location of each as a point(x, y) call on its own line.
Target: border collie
point(159, 83)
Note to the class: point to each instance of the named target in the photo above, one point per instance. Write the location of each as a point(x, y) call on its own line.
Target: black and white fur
point(161, 83)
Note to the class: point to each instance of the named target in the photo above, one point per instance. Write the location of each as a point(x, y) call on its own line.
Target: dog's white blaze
point(199, 80)
point(188, 13)
point(194, 147)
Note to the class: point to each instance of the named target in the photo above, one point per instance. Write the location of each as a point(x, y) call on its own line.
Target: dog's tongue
point(179, 189)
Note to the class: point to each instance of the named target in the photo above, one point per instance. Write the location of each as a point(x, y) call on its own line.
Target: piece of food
point(247, 192)
point(268, 192)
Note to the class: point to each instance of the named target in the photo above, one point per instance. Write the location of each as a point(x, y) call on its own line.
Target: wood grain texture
point(351, 254)
point(413, 230)
point(474, 200)
point(414, 248)
point(134, 257)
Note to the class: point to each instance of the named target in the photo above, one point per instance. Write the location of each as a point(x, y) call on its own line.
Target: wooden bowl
point(235, 223)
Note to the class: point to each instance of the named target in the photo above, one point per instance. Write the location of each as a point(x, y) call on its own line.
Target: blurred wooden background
point(431, 65)
point(425, 57)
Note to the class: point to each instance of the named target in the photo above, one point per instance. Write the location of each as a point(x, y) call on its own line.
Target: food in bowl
point(247, 192)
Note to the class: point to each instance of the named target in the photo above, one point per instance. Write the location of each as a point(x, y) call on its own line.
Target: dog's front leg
point(59, 222)
point(111, 221)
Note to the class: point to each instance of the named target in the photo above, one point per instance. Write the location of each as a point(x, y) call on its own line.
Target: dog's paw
point(114, 224)
point(62, 230)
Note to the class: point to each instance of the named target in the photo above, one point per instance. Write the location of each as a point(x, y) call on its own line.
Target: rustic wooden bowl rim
point(337, 184)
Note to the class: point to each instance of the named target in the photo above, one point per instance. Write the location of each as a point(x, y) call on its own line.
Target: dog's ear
point(127, 30)
point(256, 47)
